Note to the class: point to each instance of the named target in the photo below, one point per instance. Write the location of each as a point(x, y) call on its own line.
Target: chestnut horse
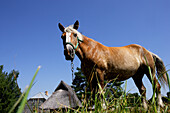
point(113, 62)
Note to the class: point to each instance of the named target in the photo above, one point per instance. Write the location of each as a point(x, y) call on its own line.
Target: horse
point(122, 63)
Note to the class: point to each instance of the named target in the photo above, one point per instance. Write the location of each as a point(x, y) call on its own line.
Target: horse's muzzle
point(69, 54)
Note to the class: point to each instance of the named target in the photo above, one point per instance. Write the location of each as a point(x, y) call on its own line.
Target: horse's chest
point(87, 68)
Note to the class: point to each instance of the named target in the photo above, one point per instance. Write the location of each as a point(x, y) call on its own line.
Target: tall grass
point(117, 105)
point(24, 96)
point(102, 103)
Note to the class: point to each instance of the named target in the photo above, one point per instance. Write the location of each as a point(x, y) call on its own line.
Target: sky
point(29, 35)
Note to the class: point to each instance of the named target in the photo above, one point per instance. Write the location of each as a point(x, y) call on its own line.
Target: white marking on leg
point(103, 104)
point(160, 102)
point(145, 104)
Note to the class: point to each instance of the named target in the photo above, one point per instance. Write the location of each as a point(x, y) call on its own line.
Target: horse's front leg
point(100, 79)
point(97, 85)
point(96, 81)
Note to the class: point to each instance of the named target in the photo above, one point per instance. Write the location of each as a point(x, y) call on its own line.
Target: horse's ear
point(61, 27)
point(76, 25)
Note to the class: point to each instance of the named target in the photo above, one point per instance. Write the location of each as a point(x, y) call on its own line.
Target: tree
point(9, 90)
point(80, 84)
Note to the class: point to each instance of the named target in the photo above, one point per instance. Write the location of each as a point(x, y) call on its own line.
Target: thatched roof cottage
point(63, 97)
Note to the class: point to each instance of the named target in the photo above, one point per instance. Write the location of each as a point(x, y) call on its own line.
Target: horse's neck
point(85, 47)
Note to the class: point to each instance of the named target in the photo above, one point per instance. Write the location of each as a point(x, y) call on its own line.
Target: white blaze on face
point(68, 39)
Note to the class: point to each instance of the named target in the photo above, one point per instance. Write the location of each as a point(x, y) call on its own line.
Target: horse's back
point(127, 53)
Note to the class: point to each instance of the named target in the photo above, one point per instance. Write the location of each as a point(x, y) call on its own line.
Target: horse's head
point(71, 39)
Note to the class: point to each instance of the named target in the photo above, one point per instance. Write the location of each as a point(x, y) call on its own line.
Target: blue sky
point(30, 36)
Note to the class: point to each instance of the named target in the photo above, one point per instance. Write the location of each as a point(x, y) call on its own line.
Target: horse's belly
point(119, 74)
point(122, 69)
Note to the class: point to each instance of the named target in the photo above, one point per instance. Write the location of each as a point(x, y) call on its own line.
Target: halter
point(75, 47)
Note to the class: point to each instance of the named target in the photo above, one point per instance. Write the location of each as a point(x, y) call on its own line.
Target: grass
point(112, 105)
point(116, 105)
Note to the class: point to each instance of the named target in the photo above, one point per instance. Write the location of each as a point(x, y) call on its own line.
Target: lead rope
point(72, 69)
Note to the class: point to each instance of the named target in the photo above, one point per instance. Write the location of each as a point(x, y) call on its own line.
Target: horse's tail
point(161, 70)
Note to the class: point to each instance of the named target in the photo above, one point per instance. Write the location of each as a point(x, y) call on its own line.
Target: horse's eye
point(75, 35)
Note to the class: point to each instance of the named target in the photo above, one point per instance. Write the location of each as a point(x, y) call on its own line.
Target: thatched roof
point(63, 97)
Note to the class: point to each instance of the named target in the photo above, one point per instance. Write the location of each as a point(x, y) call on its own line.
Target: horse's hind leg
point(156, 87)
point(138, 81)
